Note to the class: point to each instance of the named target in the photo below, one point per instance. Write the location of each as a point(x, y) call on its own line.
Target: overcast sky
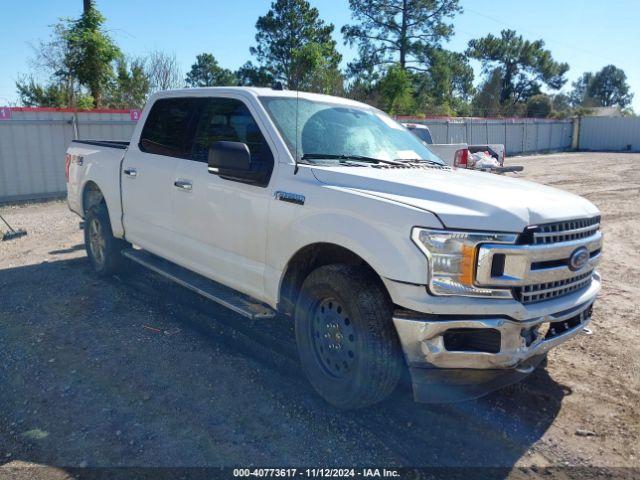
point(586, 34)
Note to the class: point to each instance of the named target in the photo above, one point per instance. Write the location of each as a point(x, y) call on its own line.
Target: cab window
point(167, 129)
point(226, 119)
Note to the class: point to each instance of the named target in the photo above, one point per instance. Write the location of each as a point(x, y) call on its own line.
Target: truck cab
point(326, 212)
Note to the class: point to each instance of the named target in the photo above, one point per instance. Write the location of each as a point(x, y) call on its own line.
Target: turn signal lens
point(468, 264)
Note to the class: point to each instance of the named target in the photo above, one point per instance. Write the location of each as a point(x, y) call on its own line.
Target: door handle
point(184, 185)
point(130, 172)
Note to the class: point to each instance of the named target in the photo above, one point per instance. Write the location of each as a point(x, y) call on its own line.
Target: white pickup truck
point(327, 211)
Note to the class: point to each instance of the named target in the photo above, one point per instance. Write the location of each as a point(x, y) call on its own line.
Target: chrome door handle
point(184, 185)
point(130, 172)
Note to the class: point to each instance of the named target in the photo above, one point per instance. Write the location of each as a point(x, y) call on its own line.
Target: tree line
point(401, 65)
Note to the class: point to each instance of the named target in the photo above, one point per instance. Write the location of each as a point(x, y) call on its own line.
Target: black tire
point(103, 249)
point(348, 346)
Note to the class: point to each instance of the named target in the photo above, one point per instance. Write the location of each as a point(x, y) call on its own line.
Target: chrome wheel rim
point(333, 338)
point(97, 242)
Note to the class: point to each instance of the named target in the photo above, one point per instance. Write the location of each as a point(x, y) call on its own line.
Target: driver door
point(221, 224)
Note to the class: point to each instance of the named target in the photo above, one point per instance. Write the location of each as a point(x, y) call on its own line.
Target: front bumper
point(470, 345)
point(434, 385)
point(443, 371)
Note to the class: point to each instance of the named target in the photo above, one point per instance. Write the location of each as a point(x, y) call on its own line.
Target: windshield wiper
point(358, 158)
point(419, 160)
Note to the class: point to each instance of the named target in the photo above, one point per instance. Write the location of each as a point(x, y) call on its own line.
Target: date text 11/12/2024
point(317, 472)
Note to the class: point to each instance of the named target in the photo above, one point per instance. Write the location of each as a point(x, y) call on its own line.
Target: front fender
point(377, 230)
point(391, 256)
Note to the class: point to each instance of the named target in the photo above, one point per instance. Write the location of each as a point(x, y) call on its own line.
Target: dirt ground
point(136, 371)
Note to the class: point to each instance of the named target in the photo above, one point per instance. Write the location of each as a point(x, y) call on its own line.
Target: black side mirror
point(229, 158)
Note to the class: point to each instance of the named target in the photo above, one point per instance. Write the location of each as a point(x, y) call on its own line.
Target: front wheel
point(347, 343)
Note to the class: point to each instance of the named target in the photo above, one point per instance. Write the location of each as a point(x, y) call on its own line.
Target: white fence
point(518, 135)
point(33, 144)
point(33, 141)
point(610, 134)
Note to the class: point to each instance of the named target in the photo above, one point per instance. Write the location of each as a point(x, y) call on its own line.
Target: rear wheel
point(348, 345)
point(103, 249)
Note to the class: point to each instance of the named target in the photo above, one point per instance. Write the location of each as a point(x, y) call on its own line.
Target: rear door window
point(168, 128)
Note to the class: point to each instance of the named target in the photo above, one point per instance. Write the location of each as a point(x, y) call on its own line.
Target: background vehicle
point(328, 211)
point(459, 154)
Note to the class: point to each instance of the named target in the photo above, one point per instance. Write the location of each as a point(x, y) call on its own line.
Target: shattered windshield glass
point(338, 130)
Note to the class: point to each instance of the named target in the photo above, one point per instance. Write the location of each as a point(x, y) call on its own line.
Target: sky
point(587, 34)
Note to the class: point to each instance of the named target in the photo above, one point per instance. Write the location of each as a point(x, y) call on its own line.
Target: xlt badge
point(290, 197)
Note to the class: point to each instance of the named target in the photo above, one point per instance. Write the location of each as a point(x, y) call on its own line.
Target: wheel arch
point(309, 258)
point(91, 195)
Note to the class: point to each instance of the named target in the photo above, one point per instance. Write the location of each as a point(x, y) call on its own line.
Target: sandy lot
point(136, 371)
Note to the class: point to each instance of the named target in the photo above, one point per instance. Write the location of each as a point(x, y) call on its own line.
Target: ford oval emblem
point(578, 259)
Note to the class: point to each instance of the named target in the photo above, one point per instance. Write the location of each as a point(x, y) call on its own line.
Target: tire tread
point(381, 342)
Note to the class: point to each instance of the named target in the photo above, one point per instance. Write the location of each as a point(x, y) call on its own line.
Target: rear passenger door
point(222, 223)
point(148, 174)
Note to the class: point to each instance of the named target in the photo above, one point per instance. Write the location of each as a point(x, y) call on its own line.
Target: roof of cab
point(256, 92)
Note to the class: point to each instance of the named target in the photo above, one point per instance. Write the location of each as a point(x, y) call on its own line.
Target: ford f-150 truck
point(327, 211)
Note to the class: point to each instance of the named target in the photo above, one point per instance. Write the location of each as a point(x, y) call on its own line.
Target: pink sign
point(135, 115)
point(5, 113)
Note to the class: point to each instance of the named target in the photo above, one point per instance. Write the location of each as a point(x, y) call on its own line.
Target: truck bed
point(104, 143)
point(102, 158)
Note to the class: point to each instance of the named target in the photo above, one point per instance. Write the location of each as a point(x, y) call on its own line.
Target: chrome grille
point(565, 231)
point(546, 291)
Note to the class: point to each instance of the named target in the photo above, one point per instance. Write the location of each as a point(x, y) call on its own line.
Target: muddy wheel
point(347, 343)
point(103, 249)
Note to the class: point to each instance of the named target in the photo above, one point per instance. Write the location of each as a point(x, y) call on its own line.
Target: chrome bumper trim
point(423, 342)
point(519, 259)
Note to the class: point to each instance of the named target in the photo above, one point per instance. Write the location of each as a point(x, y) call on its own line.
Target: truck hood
point(462, 199)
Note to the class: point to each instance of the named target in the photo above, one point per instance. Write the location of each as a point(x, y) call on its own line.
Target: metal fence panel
point(478, 132)
point(33, 144)
point(517, 135)
point(495, 132)
point(542, 137)
point(610, 134)
point(438, 131)
point(109, 126)
point(514, 142)
point(457, 132)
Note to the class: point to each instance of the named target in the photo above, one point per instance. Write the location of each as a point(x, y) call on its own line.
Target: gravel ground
point(135, 371)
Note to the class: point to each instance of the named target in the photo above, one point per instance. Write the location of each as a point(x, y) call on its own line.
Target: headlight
point(452, 260)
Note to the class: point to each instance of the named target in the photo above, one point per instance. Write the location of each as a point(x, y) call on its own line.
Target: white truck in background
point(462, 155)
point(327, 211)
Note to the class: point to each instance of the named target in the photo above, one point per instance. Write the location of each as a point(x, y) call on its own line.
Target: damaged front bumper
point(454, 358)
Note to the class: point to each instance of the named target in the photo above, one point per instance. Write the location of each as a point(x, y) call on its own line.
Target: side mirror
point(229, 158)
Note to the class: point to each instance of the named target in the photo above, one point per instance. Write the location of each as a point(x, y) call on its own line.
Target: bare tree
point(50, 60)
point(163, 71)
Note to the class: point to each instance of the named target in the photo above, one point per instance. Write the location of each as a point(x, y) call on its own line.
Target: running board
point(225, 296)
